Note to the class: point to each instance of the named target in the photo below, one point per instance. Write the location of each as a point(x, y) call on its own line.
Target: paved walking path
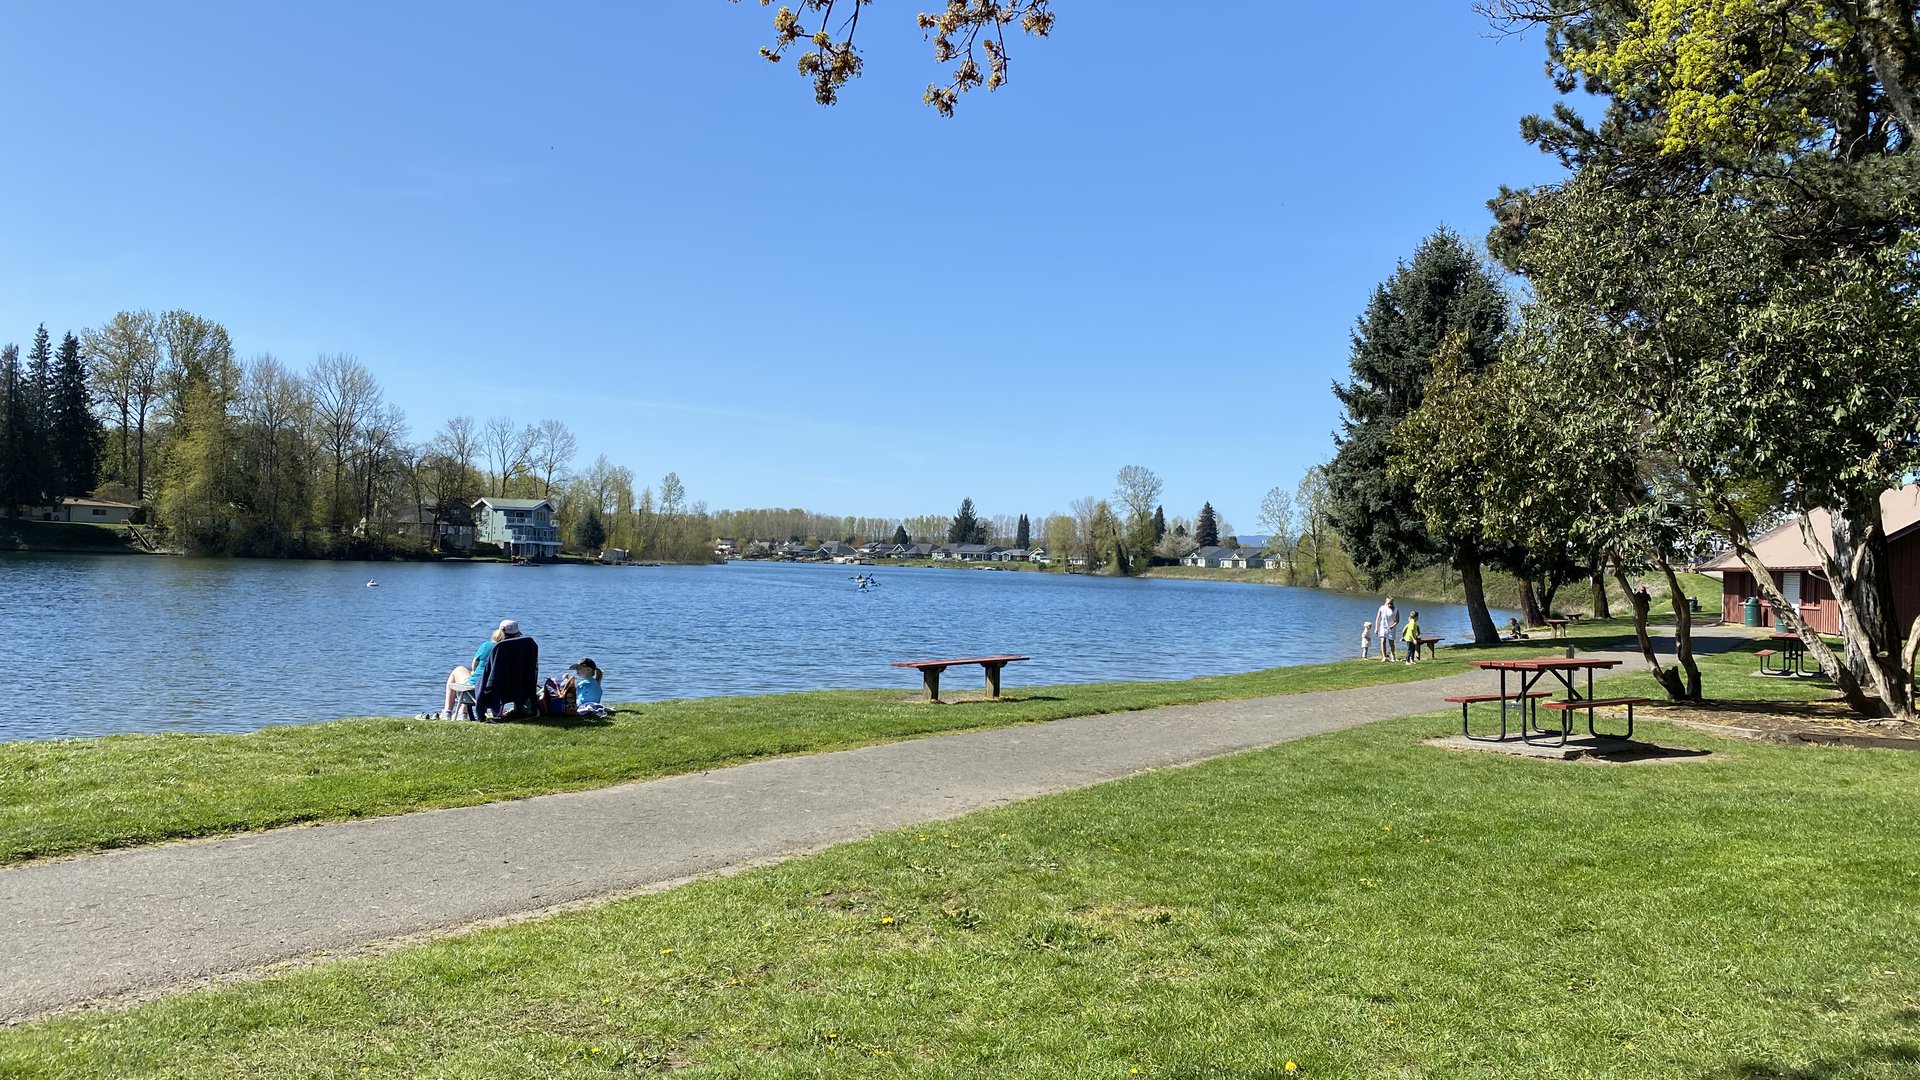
point(143, 921)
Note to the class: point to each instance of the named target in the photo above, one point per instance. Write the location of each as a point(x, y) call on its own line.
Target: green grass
point(68, 796)
point(1357, 903)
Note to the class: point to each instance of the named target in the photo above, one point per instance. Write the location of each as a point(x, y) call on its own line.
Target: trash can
point(1693, 604)
point(1750, 615)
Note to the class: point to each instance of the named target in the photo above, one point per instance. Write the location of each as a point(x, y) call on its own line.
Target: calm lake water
point(95, 645)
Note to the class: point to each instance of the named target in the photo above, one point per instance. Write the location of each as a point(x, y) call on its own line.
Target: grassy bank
point(17, 534)
point(1357, 904)
point(70, 796)
point(1437, 583)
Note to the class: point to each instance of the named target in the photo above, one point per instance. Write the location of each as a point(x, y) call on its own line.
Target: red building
point(1798, 575)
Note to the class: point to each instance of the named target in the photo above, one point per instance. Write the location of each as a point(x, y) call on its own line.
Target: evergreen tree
point(1206, 530)
point(1023, 537)
point(1159, 523)
point(967, 528)
point(590, 533)
point(37, 460)
point(15, 433)
point(900, 537)
point(1444, 295)
point(73, 430)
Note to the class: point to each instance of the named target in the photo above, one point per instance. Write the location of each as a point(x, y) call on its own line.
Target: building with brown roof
point(1797, 573)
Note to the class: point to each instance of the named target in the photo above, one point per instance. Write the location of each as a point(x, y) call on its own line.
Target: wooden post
point(931, 676)
point(993, 679)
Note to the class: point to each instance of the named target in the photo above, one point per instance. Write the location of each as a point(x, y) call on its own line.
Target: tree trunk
point(1682, 630)
point(1910, 661)
point(1669, 678)
point(1466, 559)
point(1863, 589)
point(1530, 613)
point(1736, 530)
point(1601, 609)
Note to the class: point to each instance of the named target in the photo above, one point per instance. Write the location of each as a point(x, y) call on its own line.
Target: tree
point(1788, 126)
point(509, 449)
point(967, 527)
point(1314, 501)
point(1159, 523)
point(552, 452)
point(16, 434)
point(1276, 516)
point(74, 432)
point(345, 398)
point(1206, 530)
point(36, 464)
point(1138, 491)
point(1444, 290)
point(900, 537)
point(832, 60)
point(1023, 536)
point(589, 532)
point(124, 357)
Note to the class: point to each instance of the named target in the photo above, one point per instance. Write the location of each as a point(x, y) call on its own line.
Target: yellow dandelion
point(886, 920)
point(664, 952)
point(593, 1049)
point(1291, 1067)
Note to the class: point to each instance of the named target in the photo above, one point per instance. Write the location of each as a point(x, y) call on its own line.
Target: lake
point(96, 645)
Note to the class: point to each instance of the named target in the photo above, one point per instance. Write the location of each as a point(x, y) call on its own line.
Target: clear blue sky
point(1149, 249)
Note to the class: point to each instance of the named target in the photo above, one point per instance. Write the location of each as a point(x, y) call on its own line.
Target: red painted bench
point(1521, 700)
point(930, 671)
point(1568, 708)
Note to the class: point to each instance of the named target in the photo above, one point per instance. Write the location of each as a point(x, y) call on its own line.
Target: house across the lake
point(97, 511)
point(1797, 573)
point(523, 528)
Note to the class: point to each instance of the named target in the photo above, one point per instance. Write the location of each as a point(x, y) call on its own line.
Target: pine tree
point(73, 430)
point(37, 467)
point(1206, 530)
point(967, 528)
point(15, 433)
point(1159, 523)
point(1444, 294)
point(1023, 537)
point(590, 533)
point(900, 537)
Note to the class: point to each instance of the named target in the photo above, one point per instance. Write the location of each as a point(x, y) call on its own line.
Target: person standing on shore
point(1386, 623)
point(1366, 640)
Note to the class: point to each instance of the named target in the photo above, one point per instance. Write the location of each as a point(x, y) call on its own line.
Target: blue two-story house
point(523, 528)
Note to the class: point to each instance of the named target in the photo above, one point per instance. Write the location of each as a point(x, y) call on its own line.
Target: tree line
point(1719, 328)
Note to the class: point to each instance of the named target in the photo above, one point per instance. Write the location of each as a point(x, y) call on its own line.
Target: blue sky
point(1149, 249)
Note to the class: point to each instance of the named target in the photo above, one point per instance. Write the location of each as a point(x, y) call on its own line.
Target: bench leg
point(993, 679)
point(931, 676)
point(1468, 732)
point(1601, 735)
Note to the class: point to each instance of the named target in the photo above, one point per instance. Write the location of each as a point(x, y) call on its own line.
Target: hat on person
point(509, 628)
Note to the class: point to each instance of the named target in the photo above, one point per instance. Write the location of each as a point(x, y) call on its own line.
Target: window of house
point(99, 511)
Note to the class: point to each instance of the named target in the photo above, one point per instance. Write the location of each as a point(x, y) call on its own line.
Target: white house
point(98, 511)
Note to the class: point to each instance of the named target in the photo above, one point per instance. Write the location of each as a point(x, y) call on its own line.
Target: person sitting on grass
point(577, 693)
point(1514, 632)
point(1411, 635)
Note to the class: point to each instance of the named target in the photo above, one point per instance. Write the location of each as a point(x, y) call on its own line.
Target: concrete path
point(145, 921)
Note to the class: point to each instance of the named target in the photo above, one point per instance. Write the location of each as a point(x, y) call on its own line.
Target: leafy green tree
point(124, 356)
point(1206, 529)
point(1138, 491)
point(1444, 290)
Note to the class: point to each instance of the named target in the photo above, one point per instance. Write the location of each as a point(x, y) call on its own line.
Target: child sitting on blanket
point(576, 693)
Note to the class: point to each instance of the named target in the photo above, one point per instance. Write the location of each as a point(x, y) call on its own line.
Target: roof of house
point(69, 501)
point(1211, 551)
point(1783, 548)
point(512, 504)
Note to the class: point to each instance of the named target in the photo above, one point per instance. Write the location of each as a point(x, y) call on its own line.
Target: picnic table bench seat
point(930, 671)
point(1566, 709)
point(1522, 700)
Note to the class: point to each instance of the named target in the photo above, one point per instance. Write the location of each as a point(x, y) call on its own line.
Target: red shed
point(1798, 576)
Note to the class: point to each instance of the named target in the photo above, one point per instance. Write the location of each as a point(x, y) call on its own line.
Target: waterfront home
point(725, 547)
point(97, 511)
point(914, 551)
point(973, 552)
point(1209, 555)
point(1040, 556)
point(521, 528)
point(794, 549)
point(1243, 559)
point(1011, 555)
point(1799, 577)
point(836, 551)
point(423, 524)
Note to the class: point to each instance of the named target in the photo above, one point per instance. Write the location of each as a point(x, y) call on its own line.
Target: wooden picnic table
point(930, 671)
point(1430, 642)
point(1557, 627)
point(1531, 672)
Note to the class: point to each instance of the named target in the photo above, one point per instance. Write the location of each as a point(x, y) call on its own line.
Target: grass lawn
point(69, 796)
point(1357, 904)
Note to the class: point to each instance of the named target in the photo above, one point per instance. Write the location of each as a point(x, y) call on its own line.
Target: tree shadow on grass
point(1900, 1055)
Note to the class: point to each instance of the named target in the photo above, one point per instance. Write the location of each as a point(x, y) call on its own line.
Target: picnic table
point(1528, 701)
point(1792, 653)
point(930, 671)
point(1430, 642)
point(1557, 627)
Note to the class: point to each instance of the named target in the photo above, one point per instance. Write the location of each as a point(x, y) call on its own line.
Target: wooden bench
point(1476, 699)
point(1567, 708)
point(930, 671)
point(1766, 663)
point(1430, 642)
